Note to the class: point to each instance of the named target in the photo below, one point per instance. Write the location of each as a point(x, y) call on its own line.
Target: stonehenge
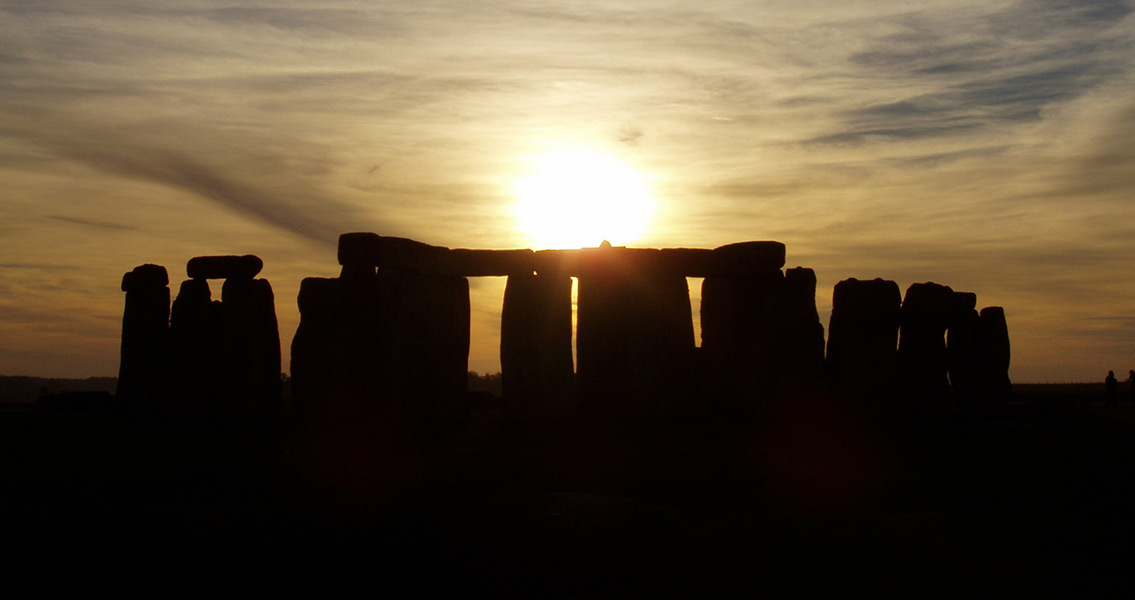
point(389, 337)
point(201, 356)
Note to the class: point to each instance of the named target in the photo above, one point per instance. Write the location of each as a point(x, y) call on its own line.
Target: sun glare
point(573, 200)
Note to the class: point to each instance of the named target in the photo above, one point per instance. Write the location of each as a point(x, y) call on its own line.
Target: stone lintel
point(224, 267)
point(400, 253)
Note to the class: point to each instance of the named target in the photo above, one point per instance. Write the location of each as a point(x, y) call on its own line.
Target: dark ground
point(1037, 500)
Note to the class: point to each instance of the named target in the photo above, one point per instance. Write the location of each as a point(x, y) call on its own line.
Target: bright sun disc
point(573, 200)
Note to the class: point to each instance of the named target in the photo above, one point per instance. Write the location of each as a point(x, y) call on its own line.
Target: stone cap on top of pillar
point(144, 277)
point(224, 267)
point(734, 259)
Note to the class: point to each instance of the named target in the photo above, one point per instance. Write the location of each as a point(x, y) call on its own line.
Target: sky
point(986, 145)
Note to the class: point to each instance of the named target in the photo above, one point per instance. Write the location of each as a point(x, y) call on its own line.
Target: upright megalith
point(142, 371)
point(251, 354)
point(861, 362)
point(741, 338)
point(927, 310)
point(634, 335)
point(321, 361)
point(963, 352)
point(424, 354)
point(537, 374)
point(762, 340)
point(803, 344)
point(196, 341)
point(994, 387)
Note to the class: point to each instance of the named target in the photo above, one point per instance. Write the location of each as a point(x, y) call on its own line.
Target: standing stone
point(251, 354)
point(802, 348)
point(318, 354)
point(742, 338)
point(142, 372)
point(634, 338)
point(861, 362)
point(196, 344)
point(993, 336)
point(926, 312)
point(424, 351)
point(963, 350)
point(537, 374)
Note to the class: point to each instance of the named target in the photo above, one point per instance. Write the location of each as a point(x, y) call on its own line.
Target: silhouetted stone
point(251, 349)
point(963, 350)
point(749, 257)
point(861, 359)
point(537, 374)
point(424, 328)
point(224, 267)
point(803, 344)
point(359, 248)
point(926, 312)
point(145, 277)
point(143, 366)
point(318, 354)
point(993, 336)
point(195, 328)
point(487, 263)
point(634, 338)
point(399, 253)
point(742, 336)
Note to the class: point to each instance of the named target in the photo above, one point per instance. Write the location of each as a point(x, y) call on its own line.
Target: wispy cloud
point(985, 143)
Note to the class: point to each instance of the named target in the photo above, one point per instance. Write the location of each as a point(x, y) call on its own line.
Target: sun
point(579, 199)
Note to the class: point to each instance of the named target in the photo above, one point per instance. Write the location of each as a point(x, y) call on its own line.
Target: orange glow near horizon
point(579, 199)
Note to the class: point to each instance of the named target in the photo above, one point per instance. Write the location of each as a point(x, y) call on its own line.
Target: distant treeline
point(19, 389)
point(488, 383)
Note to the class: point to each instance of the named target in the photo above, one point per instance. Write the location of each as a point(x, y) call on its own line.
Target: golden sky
point(985, 145)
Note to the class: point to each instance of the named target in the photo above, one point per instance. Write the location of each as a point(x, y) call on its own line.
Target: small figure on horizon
point(1131, 384)
point(1109, 384)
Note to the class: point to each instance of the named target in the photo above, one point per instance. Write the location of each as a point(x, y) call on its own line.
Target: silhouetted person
point(1109, 384)
point(1131, 384)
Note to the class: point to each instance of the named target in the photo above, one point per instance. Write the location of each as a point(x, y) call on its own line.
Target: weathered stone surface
point(537, 374)
point(993, 336)
point(250, 376)
point(926, 313)
point(145, 277)
point(143, 365)
point(634, 340)
point(861, 359)
point(195, 328)
point(224, 267)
